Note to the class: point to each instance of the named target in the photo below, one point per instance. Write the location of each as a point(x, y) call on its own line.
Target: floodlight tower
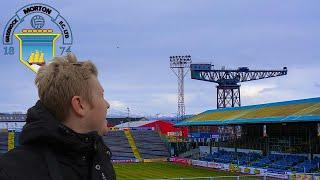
point(177, 65)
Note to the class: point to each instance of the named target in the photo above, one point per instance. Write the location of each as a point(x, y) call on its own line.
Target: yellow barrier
point(10, 140)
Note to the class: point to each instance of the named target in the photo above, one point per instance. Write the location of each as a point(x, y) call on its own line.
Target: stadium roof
point(118, 120)
point(280, 112)
point(6, 117)
point(134, 124)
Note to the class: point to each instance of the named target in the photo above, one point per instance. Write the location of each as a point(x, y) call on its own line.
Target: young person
point(62, 137)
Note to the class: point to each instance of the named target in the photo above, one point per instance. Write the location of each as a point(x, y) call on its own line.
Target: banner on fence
point(215, 165)
point(200, 163)
point(182, 161)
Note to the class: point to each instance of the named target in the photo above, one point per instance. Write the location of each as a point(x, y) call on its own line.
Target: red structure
point(166, 128)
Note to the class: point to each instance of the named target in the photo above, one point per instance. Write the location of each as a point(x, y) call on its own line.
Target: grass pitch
point(162, 170)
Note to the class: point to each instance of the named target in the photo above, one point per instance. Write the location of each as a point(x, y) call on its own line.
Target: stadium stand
point(265, 161)
point(119, 145)
point(286, 134)
point(276, 163)
point(238, 158)
point(308, 165)
point(3, 142)
point(150, 144)
point(285, 162)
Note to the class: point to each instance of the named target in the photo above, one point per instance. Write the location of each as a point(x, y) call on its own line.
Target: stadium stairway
point(133, 144)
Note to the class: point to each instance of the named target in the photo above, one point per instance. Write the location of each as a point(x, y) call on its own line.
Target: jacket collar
point(42, 128)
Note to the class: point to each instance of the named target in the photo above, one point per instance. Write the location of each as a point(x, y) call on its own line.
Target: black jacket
point(51, 151)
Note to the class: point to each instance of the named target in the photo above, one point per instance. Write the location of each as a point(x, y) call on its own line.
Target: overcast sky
point(130, 41)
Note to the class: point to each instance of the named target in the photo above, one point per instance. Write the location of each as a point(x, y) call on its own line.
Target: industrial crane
point(228, 88)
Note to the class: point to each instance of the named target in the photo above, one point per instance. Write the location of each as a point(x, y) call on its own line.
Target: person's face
point(96, 115)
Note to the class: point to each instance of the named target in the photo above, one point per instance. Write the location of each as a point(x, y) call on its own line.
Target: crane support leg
point(228, 96)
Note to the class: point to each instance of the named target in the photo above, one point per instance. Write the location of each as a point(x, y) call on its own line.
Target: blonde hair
point(60, 80)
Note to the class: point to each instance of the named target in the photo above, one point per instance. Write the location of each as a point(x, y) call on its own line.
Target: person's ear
point(78, 105)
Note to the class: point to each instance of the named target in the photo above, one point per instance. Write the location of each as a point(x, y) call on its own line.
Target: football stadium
point(274, 140)
point(156, 130)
